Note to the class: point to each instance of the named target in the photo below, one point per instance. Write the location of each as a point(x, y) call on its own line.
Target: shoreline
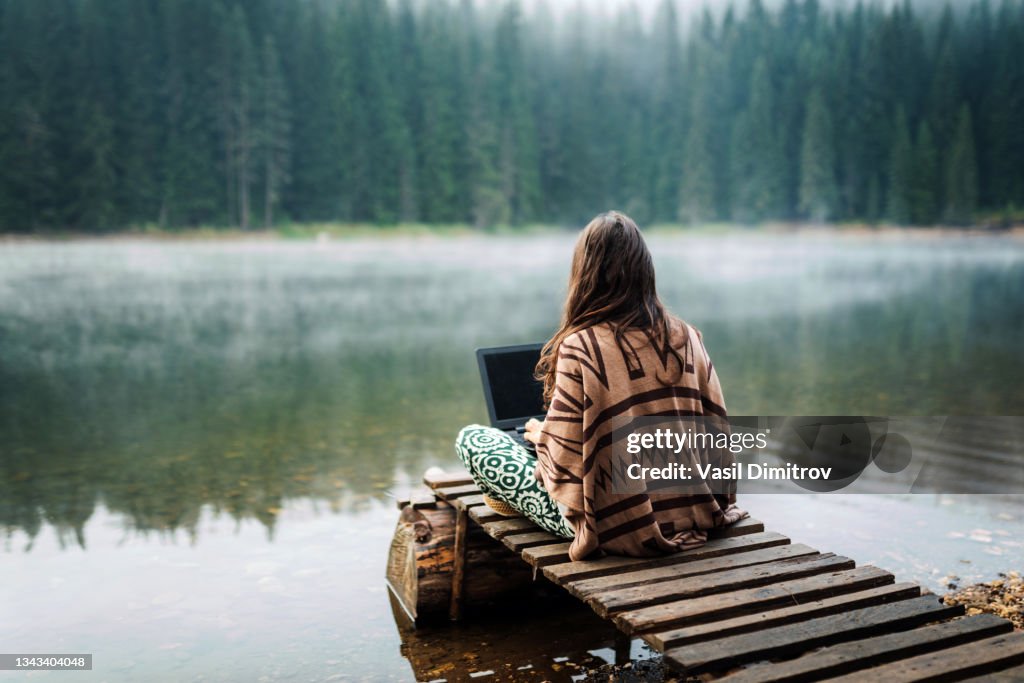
point(1003, 597)
point(328, 232)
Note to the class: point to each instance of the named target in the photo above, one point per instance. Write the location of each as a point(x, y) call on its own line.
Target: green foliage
point(819, 194)
point(120, 113)
point(924, 184)
point(698, 193)
point(94, 205)
point(698, 189)
point(273, 128)
point(962, 173)
point(757, 153)
point(901, 172)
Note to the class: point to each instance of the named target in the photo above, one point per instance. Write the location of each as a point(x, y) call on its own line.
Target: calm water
point(199, 442)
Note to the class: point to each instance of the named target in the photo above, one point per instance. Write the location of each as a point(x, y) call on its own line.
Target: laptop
point(513, 396)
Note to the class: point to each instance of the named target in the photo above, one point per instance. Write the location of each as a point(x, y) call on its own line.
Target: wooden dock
point(750, 605)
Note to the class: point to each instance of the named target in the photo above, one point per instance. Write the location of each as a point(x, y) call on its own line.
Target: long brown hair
point(611, 281)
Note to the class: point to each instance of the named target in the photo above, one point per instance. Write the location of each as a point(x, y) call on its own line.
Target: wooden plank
point(663, 640)
point(791, 639)
point(519, 541)
point(419, 497)
point(723, 605)
point(547, 554)
point(505, 526)
point(605, 566)
point(435, 478)
point(450, 493)
point(586, 587)
point(482, 514)
point(980, 658)
point(458, 562)
point(558, 553)
point(472, 501)
point(745, 526)
point(421, 503)
point(1014, 674)
point(862, 654)
point(616, 600)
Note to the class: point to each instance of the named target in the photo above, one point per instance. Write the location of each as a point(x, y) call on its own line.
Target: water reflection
point(162, 378)
point(508, 642)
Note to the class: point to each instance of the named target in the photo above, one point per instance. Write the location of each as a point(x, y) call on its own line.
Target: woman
point(617, 354)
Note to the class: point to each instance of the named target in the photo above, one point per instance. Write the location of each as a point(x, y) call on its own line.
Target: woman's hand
point(533, 427)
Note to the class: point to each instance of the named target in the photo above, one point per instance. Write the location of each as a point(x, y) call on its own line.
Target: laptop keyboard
point(518, 437)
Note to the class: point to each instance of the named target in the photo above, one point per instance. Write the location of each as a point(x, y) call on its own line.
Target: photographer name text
point(734, 472)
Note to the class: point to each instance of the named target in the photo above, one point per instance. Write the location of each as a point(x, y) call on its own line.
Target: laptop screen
point(513, 395)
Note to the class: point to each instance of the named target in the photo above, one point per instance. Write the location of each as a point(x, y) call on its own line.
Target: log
point(421, 563)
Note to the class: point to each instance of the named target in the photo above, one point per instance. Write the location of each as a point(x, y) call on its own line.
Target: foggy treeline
point(116, 113)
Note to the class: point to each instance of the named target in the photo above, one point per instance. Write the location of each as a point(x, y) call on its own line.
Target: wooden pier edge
point(748, 606)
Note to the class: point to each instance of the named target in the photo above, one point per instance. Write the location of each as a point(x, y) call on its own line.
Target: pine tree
point(237, 74)
point(29, 171)
point(697, 193)
point(873, 199)
point(243, 102)
point(944, 95)
point(924, 204)
point(843, 103)
point(901, 173)
point(135, 57)
point(439, 123)
point(869, 134)
point(818, 189)
point(575, 170)
point(410, 66)
point(489, 203)
point(92, 159)
point(518, 161)
point(1002, 113)
point(188, 158)
point(95, 208)
point(274, 130)
point(757, 156)
point(668, 131)
point(550, 105)
point(789, 80)
point(322, 89)
point(945, 92)
point(374, 177)
point(961, 173)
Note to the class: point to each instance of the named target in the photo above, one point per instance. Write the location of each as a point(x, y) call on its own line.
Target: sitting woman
point(617, 354)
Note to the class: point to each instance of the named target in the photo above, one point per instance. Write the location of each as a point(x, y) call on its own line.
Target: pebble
point(1003, 597)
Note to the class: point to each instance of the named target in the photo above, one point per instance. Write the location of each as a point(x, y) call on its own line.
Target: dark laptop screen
point(515, 393)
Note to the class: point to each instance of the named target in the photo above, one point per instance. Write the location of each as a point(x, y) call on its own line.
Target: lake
point(201, 441)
